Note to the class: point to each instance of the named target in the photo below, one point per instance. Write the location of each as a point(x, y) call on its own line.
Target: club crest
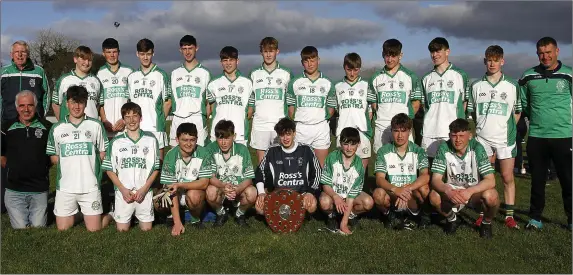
point(38, 133)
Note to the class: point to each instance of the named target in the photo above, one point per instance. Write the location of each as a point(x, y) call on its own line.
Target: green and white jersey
point(353, 101)
point(347, 183)
point(150, 90)
point(401, 170)
point(231, 100)
point(189, 96)
point(269, 98)
point(495, 105)
point(90, 82)
point(176, 169)
point(115, 92)
point(394, 94)
point(311, 98)
point(464, 171)
point(78, 148)
point(132, 161)
point(444, 96)
point(237, 168)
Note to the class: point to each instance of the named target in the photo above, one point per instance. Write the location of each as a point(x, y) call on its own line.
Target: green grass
point(371, 249)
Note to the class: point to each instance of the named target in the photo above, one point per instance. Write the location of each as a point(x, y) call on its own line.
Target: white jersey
point(311, 98)
point(150, 90)
point(231, 99)
point(394, 94)
point(237, 168)
point(90, 82)
point(269, 96)
point(347, 183)
point(132, 161)
point(176, 169)
point(401, 170)
point(115, 92)
point(494, 106)
point(352, 103)
point(444, 96)
point(188, 89)
point(78, 148)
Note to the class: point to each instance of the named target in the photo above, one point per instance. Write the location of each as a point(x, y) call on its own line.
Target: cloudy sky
point(335, 28)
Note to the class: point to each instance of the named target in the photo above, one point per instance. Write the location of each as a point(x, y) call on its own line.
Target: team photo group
point(182, 141)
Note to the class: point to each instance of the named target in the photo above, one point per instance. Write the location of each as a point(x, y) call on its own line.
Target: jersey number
point(114, 81)
point(76, 135)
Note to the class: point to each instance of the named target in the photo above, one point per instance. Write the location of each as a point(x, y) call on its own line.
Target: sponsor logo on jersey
point(231, 99)
point(135, 82)
point(133, 162)
point(302, 88)
point(76, 149)
point(222, 89)
point(493, 108)
point(341, 92)
point(259, 80)
point(290, 179)
point(482, 94)
point(279, 162)
point(123, 149)
point(105, 81)
point(143, 92)
point(392, 97)
point(188, 91)
point(463, 178)
point(392, 166)
point(441, 96)
point(115, 92)
point(311, 101)
point(269, 93)
point(351, 103)
point(64, 135)
point(179, 79)
point(38, 133)
point(401, 179)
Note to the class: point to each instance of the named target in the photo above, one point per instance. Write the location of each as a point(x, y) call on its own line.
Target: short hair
point(546, 41)
point(438, 44)
point(188, 40)
point(229, 52)
point(308, 52)
point(494, 51)
point(391, 47)
point(110, 43)
point(21, 43)
point(401, 121)
point(130, 107)
point(77, 93)
point(352, 61)
point(144, 45)
point(459, 125)
point(186, 128)
point(269, 43)
point(284, 126)
point(349, 135)
point(84, 52)
point(224, 129)
point(26, 93)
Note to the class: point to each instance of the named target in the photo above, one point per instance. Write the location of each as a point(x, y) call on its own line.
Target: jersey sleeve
point(313, 172)
point(517, 108)
point(471, 103)
point(156, 160)
point(102, 142)
point(370, 94)
point(109, 163)
point(168, 170)
point(290, 97)
point(380, 166)
point(484, 166)
point(331, 97)
point(326, 175)
point(56, 95)
point(166, 93)
point(416, 89)
point(47, 96)
point(53, 145)
point(248, 172)
point(210, 94)
point(251, 102)
point(465, 85)
point(439, 163)
point(101, 95)
point(524, 96)
point(422, 159)
point(356, 187)
point(206, 171)
point(263, 174)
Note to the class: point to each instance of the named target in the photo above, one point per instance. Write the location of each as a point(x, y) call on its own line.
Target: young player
point(342, 180)
point(187, 169)
point(402, 178)
point(189, 98)
point(232, 175)
point(353, 98)
point(150, 88)
point(497, 106)
point(289, 165)
point(270, 83)
point(113, 77)
point(462, 175)
point(397, 90)
point(77, 144)
point(79, 76)
point(313, 96)
point(230, 94)
point(445, 91)
point(132, 164)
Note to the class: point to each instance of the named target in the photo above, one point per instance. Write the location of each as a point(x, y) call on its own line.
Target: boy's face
point(269, 55)
point(392, 61)
point(349, 149)
point(83, 65)
point(225, 143)
point(460, 140)
point(77, 109)
point(400, 136)
point(351, 74)
point(229, 65)
point(188, 52)
point(311, 64)
point(187, 143)
point(287, 139)
point(440, 57)
point(132, 121)
point(493, 64)
point(111, 56)
point(145, 58)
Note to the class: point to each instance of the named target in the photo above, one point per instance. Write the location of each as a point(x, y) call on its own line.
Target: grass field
point(230, 249)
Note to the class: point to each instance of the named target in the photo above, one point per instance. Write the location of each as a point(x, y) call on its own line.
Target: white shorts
point(364, 149)
point(316, 136)
point(197, 120)
point(124, 211)
point(501, 152)
point(161, 138)
point(383, 136)
point(431, 145)
point(262, 140)
point(66, 204)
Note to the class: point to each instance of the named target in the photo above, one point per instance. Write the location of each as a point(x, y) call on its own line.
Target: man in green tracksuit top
point(546, 100)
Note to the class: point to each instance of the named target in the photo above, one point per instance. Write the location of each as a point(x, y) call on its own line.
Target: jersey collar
point(67, 120)
point(198, 66)
point(82, 78)
point(484, 78)
point(288, 151)
point(441, 74)
point(351, 84)
point(119, 66)
point(278, 66)
point(150, 70)
point(232, 149)
point(354, 161)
